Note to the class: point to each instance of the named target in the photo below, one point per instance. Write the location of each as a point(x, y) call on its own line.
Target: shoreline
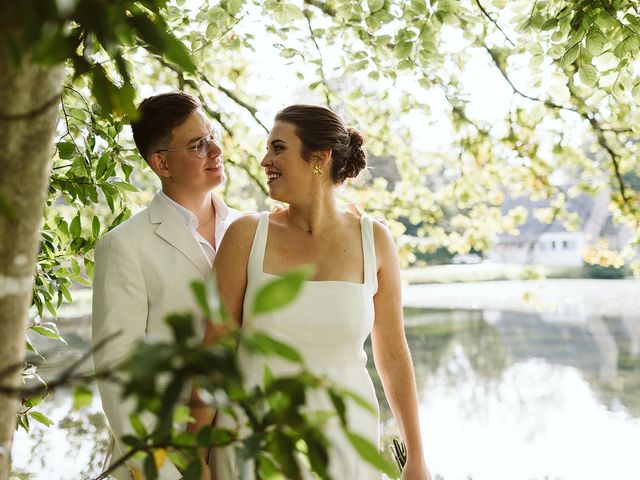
point(555, 296)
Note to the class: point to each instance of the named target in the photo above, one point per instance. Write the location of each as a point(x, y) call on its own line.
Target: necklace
point(311, 229)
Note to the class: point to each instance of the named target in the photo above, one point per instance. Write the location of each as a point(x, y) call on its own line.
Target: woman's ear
point(159, 164)
point(322, 157)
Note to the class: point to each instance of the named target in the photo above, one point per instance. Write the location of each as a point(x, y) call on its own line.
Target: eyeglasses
point(201, 147)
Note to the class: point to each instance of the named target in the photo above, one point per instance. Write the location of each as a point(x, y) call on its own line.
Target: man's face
point(185, 170)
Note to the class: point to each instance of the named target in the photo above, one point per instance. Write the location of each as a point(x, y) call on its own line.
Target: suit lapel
point(173, 230)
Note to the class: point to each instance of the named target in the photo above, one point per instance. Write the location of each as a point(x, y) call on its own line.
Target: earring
point(316, 170)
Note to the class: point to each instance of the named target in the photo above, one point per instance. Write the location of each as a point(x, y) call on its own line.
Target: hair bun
point(356, 157)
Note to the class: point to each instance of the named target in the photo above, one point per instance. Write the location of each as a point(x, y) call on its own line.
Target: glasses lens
point(204, 144)
point(202, 147)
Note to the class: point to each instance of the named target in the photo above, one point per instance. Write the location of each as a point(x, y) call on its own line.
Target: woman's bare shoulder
point(244, 226)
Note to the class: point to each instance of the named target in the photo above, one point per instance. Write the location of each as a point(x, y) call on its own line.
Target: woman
point(355, 290)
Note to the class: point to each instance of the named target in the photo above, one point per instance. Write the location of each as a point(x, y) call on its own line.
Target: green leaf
point(29, 346)
point(369, 452)
point(66, 150)
point(375, 5)
point(626, 48)
point(101, 167)
point(137, 425)
point(161, 41)
point(595, 41)
point(193, 471)
point(49, 332)
point(75, 229)
point(126, 186)
point(270, 346)
point(403, 49)
point(234, 6)
point(182, 327)
point(33, 401)
point(570, 56)
point(588, 75)
point(549, 24)
point(23, 421)
point(279, 293)
point(82, 397)
point(132, 440)
point(57, 46)
point(339, 405)
point(150, 468)
point(200, 292)
point(42, 418)
point(95, 227)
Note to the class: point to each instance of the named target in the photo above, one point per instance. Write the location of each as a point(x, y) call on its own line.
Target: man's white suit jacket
point(143, 271)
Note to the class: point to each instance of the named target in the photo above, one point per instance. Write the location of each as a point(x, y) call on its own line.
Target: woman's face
point(288, 174)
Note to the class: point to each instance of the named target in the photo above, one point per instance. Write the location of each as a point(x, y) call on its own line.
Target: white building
point(552, 244)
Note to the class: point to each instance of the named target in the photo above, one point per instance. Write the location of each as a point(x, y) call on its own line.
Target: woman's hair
point(319, 128)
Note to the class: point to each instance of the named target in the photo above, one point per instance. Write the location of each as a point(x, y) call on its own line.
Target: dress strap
point(256, 256)
point(369, 253)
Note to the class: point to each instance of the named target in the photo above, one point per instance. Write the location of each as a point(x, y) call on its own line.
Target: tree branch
point(252, 110)
point(585, 115)
point(602, 141)
point(307, 15)
point(615, 17)
point(321, 6)
point(216, 115)
point(548, 103)
point(65, 378)
point(486, 14)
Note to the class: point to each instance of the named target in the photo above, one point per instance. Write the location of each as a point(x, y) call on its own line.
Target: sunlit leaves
point(369, 452)
point(82, 397)
point(280, 292)
point(41, 418)
point(588, 75)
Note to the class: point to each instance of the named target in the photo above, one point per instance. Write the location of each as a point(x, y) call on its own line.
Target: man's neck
point(199, 204)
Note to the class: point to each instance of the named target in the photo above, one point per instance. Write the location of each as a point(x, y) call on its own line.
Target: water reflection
point(503, 396)
point(508, 395)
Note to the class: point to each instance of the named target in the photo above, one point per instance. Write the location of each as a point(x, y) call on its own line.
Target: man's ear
point(159, 165)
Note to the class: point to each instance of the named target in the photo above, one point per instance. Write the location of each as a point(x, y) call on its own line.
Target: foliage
point(399, 70)
point(272, 427)
point(409, 56)
point(599, 271)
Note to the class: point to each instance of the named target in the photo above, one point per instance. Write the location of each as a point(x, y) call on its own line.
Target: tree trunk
point(29, 99)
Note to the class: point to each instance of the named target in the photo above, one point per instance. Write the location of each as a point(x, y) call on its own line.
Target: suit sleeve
point(119, 306)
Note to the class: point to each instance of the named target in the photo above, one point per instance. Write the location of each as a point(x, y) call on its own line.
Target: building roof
point(531, 230)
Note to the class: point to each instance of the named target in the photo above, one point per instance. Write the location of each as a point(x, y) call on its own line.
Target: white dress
point(327, 324)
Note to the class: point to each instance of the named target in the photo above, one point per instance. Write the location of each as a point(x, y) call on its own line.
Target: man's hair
point(158, 116)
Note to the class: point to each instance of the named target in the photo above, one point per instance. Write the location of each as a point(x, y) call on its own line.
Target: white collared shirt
point(224, 217)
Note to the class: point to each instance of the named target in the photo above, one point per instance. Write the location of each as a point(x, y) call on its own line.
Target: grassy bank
point(497, 271)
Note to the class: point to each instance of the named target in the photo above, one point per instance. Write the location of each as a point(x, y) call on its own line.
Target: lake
point(519, 393)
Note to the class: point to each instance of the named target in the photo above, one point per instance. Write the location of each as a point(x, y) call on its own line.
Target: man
point(144, 266)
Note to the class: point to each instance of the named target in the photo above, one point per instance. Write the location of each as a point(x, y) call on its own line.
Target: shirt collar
point(189, 218)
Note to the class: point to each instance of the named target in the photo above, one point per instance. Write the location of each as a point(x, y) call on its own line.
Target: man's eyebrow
point(195, 139)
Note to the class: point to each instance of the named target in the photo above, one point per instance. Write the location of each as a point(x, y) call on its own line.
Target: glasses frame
point(204, 142)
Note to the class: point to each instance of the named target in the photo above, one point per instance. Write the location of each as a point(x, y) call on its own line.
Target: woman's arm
point(230, 268)
point(230, 265)
point(392, 356)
